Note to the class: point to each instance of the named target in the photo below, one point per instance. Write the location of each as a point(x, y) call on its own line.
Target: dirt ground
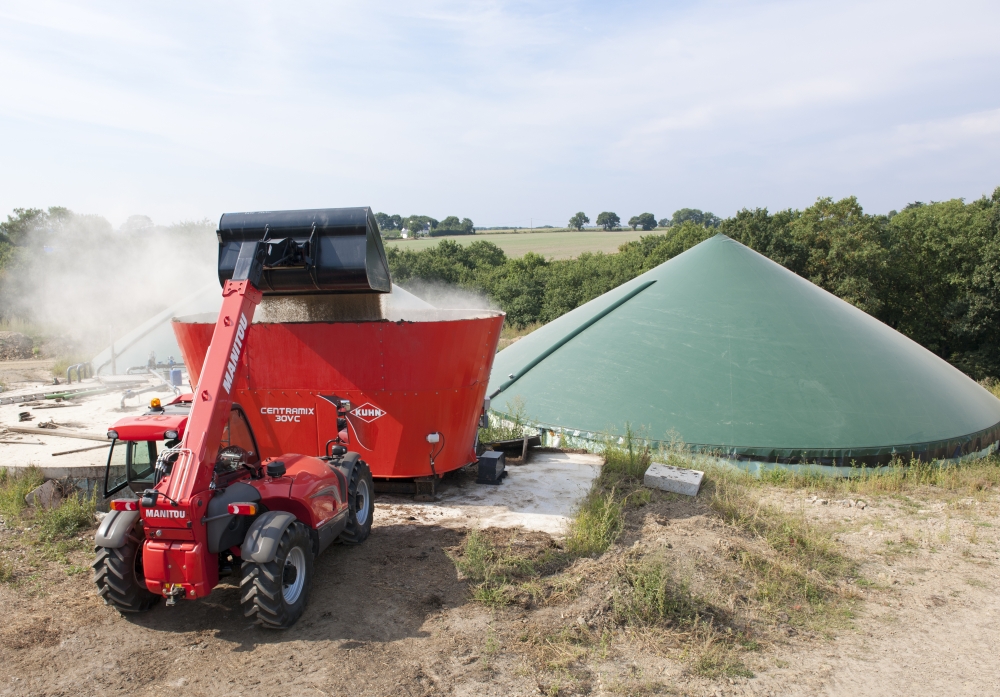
point(392, 617)
point(25, 371)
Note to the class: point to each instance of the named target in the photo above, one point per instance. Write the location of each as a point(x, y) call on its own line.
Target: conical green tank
point(728, 352)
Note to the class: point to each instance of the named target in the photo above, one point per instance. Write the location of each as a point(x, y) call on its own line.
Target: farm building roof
point(728, 352)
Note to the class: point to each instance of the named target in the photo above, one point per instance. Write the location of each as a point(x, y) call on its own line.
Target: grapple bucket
point(325, 250)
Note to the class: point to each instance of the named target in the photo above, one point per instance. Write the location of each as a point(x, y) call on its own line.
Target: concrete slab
point(673, 479)
point(91, 416)
point(541, 495)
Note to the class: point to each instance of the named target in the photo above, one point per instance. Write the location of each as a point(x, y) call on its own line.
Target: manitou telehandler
point(208, 501)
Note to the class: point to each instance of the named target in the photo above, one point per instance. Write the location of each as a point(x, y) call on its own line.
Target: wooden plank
point(82, 450)
point(53, 432)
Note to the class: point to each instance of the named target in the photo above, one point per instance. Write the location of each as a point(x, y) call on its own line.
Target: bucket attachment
point(326, 250)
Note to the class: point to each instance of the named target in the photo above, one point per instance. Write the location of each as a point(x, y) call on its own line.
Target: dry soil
point(392, 617)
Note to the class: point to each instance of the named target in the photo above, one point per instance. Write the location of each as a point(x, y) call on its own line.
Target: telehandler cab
point(208, 501)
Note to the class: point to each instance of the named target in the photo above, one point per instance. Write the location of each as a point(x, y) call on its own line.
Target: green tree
point(453, 226)
point(633, 222)
point(608, 220)
point(578, 221)
point(647, 221)
point(693, 215)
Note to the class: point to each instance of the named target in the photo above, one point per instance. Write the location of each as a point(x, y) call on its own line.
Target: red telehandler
point(208, 502)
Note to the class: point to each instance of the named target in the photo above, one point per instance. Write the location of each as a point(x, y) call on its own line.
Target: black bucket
point(324, 250)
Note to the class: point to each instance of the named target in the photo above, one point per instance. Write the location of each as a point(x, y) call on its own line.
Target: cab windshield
point(130, 462)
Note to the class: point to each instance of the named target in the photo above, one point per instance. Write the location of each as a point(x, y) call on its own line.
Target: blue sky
point(505, 112)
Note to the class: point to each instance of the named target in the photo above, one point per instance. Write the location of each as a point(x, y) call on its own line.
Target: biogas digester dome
point(730, 353)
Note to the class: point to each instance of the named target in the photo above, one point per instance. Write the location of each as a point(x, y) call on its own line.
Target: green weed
point(76, 513)
point(512, 426)
point(897, 478)
point(597, 524)
point(628, 459)
point(647, 593)
point(14, 486)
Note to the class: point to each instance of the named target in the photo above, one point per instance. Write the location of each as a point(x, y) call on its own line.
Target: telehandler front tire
point(274, 593)
point(119, 577)
point(361, 505)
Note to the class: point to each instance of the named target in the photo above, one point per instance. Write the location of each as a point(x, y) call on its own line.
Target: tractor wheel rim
point(361, 502)
point(291, 591)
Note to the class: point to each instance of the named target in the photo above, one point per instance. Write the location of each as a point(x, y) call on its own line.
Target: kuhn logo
point(234, 356)
point(366, 412)
point(164, 513)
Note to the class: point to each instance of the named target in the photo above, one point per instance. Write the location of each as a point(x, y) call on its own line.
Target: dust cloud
point(76, 278)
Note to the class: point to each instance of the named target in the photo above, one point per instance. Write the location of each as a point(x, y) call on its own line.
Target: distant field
point(551, 245)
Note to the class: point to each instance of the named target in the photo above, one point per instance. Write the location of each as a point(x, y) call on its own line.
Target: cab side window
point(142, 460)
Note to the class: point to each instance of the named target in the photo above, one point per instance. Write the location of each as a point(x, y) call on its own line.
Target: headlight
point(113, 435)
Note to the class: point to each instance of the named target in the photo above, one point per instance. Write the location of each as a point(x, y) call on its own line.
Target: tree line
point(393, 225)
point(931, 271)
point(610, 220)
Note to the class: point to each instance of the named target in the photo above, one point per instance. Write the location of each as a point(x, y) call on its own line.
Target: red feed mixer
point(219, 492)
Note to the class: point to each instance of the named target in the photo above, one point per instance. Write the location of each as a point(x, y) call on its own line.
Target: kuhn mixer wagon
point(270, 459)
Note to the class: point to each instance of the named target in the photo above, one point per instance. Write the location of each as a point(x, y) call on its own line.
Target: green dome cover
point(730, 352)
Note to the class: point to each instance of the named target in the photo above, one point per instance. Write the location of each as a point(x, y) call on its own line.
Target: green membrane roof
point(726, 351)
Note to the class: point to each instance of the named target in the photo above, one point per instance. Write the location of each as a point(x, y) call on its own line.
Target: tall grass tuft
point(968, 477)
point(14, 486)
point(512, 427)
point(630, 458)
point(597, 524)
point(74, 514)
point(647, 593)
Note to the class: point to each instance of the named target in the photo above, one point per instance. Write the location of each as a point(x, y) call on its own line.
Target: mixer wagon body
point(403, 380)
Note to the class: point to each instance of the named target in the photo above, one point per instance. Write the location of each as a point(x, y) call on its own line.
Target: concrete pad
point(673, 479)
point(91, 416)
point(541, 495)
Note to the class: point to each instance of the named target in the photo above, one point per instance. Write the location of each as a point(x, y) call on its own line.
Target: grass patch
point(51, 534)
point(503, 567)
point(596, 525)
point(74, 514)
point(791, 565)
point(64, 362)
point(647, 593)
point(970, 478)
point(513, 427)
point(13, 488)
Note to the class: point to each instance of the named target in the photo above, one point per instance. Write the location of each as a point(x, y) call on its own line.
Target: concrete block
point(673, 479)
point(48, 495)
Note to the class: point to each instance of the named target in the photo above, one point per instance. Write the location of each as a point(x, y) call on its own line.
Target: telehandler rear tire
point(361, 505)
point(119, 577)
point(274, 593)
